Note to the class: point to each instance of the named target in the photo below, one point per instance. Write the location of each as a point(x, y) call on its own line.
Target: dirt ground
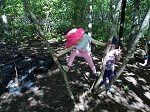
point(131, 92)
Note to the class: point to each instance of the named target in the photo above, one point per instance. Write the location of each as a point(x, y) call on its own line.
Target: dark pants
point(107, 74)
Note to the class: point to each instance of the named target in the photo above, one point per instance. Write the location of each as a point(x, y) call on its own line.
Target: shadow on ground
point(131, 93)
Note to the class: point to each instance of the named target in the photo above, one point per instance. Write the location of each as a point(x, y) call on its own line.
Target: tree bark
point(4, 19)
point(143, 28)
point(116, 16)
point(135, 25)
point(90, 18)
point(52, 53)
point(111, 9)
point(122, 22)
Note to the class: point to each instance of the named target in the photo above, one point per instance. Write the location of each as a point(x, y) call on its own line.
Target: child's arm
point(98, 43)
point(119, 54)
point(64, 51)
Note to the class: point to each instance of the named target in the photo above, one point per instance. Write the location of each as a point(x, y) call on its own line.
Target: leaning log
point(52, 53)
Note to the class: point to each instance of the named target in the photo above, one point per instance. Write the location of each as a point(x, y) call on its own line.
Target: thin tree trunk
point(143, 28)
point(135, 25)
point(4, 19)
point(122, 22)
point(116, 16)
point(75, 13)
point(90, 19)
point(111, 9)
point(52, 53)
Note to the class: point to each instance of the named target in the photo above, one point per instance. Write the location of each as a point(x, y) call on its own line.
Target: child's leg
point(106, 72)
point(72, 56)
point(88, 59)
point(110, 75)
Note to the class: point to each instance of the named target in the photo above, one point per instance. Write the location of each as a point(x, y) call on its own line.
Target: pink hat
point(73, 36)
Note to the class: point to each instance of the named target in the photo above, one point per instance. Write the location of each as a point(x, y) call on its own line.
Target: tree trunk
point(135, 25)
point(90, 19)
point(4, 19)
point(122, 23)
point(143, 28)
point(111, 9)
point(52, 53)
point(116, 16)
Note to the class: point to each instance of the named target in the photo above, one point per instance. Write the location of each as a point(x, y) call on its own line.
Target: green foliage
point(19, 28)
point(56, 17)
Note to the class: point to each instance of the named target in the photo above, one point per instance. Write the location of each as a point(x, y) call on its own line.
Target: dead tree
point(52, 53)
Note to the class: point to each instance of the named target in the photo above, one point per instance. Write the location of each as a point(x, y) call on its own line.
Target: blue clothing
point(84, 44)
point(146, 56)
point(107, 74)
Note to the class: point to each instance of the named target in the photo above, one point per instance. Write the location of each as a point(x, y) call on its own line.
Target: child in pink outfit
point(80, 43)
point(82, 49)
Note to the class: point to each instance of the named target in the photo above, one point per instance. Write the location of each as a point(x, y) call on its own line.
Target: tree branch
point(52, 53)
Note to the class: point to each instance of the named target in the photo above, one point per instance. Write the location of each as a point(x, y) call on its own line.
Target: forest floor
point(131, 93)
